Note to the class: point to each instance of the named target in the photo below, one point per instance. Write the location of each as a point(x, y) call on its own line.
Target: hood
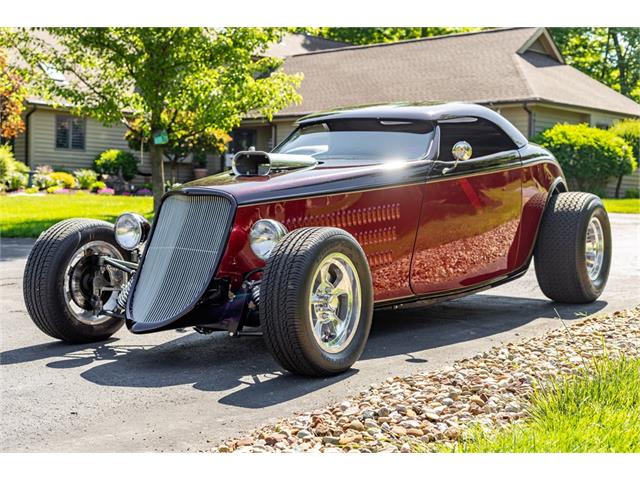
point(336, 176)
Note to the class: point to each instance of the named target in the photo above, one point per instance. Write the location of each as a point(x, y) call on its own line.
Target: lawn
point(622, 205)
point(590, 413)
point(29, 215)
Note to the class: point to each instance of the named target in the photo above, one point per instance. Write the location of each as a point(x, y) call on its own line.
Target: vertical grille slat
point(186, 245)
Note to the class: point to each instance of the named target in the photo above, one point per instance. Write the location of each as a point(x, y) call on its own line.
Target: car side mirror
point(460, 151)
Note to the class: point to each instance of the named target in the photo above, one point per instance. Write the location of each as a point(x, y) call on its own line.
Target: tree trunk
point(157, 174)
point(622, 66)
point(618, 186)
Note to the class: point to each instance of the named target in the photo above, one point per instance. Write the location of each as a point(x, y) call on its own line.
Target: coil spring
point(124, 294)
point(255, 294)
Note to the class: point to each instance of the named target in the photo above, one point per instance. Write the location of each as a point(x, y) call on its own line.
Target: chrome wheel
point(335, 302)
point(78, 281)
point(594, 248)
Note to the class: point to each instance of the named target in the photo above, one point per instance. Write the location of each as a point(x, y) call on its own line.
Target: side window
point(484, 137)
point(70, 132)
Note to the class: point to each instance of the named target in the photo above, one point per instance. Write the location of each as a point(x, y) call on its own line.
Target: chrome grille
point(186, 245)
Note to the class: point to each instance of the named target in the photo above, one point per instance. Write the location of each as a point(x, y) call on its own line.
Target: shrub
point(116, 162)
point(632, 193)
point(16, 181)
point(98, 185)
point(629, 129)
point(85, 178)
point(31, 190)
point(9, 165)
point(42, 179)
point(63, 179)
point(588, 156)
point(106, 191)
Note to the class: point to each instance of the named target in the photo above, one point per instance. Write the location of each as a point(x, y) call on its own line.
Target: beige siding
point(629, 182)
point(604, 120)
point(44, 152)
point(518, 116)
point(284, 129)
point(544, 118)
point(19, 147)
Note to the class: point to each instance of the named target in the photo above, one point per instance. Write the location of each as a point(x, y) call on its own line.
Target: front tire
point(58, 276)
point(316, 301)
point(573, 250)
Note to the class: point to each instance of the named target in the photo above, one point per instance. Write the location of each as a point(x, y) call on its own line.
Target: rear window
point(361, 139)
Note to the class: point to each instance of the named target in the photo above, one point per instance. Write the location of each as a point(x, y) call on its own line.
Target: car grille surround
point(187, 242)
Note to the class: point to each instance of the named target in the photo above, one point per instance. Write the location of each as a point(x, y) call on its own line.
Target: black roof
point(425, 112)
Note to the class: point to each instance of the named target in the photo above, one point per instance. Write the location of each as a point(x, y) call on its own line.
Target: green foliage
point(116, 162)
point(30, 215)
point(64, 179)
point(596, 412)
point(629, 129)
point(588, 156)
point(9, 165)
point(85, 177)
point(16, 181)
point(42, 178)
point(611, 55)
point(182, 80)
point(97, 185)
point(368, 35)
point(632, 193)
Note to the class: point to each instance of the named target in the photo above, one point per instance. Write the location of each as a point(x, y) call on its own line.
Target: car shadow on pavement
point(244, 370)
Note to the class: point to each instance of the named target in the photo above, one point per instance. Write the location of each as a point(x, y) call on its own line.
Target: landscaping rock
point(490, 390)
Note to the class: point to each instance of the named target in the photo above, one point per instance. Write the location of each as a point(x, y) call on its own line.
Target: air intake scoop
point(250, 163)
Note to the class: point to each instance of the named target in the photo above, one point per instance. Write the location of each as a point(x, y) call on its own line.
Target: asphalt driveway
point(178, 391)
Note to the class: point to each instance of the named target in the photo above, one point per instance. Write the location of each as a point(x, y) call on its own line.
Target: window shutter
point(78, 133)
point(62, 131)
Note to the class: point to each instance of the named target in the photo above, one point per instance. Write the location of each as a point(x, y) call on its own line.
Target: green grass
point(595, 412)
point(622, 205)
point(29, 215)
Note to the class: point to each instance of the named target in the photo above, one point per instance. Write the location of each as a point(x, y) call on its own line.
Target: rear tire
point(314, 278)
point(47, 280)
point(574, 226)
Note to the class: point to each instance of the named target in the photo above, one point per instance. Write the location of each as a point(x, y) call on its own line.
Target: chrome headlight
point(131, 230)
point(264, 235)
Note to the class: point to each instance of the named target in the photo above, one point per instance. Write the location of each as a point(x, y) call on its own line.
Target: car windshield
point(361, 139)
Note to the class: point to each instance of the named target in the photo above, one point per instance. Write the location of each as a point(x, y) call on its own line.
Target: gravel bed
point(422, 411)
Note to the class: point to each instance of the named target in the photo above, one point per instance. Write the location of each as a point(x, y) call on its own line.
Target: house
point(518, 72)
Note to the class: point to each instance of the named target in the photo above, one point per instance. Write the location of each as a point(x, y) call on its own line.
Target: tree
point(629, 130)
point(611, 55)
point(367, 35)
point(13, 93)
point(174, 82)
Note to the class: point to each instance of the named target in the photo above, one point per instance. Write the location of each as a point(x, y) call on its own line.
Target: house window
point(70, 132)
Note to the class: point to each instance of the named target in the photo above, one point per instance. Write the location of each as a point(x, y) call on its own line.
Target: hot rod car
point(357, 209)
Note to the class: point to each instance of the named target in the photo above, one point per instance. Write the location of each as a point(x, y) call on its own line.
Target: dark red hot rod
point(357, 209)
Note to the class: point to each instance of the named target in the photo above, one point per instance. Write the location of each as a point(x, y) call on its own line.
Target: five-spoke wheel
point(316, 301)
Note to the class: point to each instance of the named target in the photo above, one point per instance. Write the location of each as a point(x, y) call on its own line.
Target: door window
point(484, 137)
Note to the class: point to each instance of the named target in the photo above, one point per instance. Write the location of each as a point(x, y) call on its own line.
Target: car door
point(470, 210)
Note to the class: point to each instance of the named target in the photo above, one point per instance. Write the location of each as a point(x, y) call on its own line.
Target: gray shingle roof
point(481, 67)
